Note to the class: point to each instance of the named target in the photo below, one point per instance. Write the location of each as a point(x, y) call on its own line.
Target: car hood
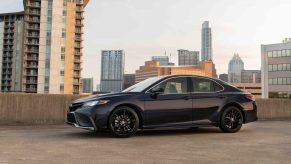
point(102, 96)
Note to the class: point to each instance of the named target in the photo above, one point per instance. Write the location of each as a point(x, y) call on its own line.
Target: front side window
point(205, 85)
point(174, 86)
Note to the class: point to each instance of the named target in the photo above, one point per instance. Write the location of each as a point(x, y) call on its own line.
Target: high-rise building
point(164, 60)
point(11, 48)
point(186, 57)
point(153, 68)
point(276, 70)
point(251, 76)
point(129, 80)
point(223, 77)
point(51, 55)
point(235, 67)
point(112, 70)
point(206, 41)
point(87, 85)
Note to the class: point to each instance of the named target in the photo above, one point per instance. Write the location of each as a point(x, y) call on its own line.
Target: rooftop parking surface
point(259, 142)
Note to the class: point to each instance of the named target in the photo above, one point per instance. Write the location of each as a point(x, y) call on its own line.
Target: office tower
point(223, 77)
point(187, 57)
point(276, 70)
point(51, 53)
point(87, 85)
point(153, 69)
point(112, 70)
point(206, 42)
point(164, 60)
point(129, 80)
point(251, 76)
point(11, 48)
point(235, 66)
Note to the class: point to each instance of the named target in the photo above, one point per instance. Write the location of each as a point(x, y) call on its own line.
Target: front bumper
point(81, 121)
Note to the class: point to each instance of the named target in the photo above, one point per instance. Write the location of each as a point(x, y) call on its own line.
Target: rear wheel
point(123, 122)
point(231, 120)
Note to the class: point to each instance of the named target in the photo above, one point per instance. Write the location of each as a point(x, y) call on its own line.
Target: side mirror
point(156, 91)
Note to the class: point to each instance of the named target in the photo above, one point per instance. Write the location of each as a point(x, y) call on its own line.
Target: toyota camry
point(175, 101)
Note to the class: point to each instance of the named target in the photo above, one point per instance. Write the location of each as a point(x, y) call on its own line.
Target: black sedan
point(176, 101)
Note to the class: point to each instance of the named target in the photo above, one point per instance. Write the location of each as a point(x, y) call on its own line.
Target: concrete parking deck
point(259, 142)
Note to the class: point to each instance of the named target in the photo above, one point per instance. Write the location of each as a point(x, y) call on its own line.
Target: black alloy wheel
point(231, 120)
point(123, 122)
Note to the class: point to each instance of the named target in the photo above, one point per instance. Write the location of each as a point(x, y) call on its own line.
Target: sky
point(145, 28)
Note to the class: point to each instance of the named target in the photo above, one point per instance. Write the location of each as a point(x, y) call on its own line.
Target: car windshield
point(139, 87)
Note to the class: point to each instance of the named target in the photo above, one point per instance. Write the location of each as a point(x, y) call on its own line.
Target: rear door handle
point(221, 97)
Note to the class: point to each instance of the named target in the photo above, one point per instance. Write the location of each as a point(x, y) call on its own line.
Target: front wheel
point(231, 120)
point(123, 122)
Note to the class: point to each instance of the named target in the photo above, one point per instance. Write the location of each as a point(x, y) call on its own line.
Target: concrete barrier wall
point(51, 109)
point(274, 109)
point(34, 108)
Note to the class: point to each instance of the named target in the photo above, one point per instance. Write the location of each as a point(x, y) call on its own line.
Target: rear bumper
point(81, 121)
point(251, 115)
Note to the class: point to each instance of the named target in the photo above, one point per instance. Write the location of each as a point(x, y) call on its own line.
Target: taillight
point(250, 97)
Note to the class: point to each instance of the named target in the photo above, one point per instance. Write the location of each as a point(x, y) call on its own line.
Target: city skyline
point(242, 27)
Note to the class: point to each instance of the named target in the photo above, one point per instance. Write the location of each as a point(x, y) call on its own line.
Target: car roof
point(181, 75)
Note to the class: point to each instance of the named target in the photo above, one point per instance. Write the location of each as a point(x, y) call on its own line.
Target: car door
point(173, 106)
point(206, 99)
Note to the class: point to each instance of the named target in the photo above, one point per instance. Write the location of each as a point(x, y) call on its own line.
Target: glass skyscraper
point(112, 70)
point(206, 41)
point(235, 67)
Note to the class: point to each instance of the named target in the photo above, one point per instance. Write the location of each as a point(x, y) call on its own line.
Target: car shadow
point(142, 133)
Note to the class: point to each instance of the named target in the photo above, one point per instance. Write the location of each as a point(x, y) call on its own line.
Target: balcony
point(33, 27)
point(31, 66)
point(9, 26)
point(31, 82)
point(32, 43)
point(79, 31)
point(7, 78)
point(76, 76)
point(33, 20)
point(30, 90)
point(7, 61)
point(77, 61)
point(78, 53)
point(80, 24)
point(77, 38)
point(79, 10)
point(7, 73)
point(76, 83)
point(8, 43)
point(9, 31)
point(79, 17)
point(32, 59)
point(31, 35)
point(6, 84)
point(31, 74)
point(78, 46)
point(8, 37)
point(33, 5)
point(8, 49)
point(33, 13)
point(77, 68)
point(32, 50)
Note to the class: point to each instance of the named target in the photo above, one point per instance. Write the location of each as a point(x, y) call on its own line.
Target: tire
point(123, 122)
point(231, 120)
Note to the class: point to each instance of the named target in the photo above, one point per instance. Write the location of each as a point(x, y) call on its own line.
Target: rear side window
point(205, 85)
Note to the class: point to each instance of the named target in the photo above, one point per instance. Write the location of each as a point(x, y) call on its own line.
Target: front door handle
point(187, 97)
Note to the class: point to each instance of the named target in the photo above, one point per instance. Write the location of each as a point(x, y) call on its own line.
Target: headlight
point(93, 103)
